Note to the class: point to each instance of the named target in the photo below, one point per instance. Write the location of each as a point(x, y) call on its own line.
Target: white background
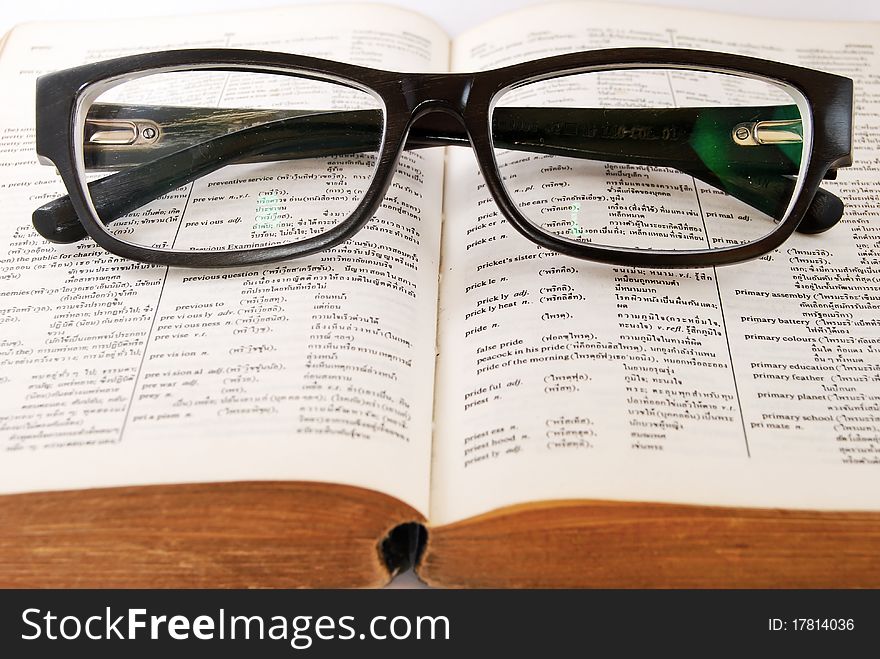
point(454, 16)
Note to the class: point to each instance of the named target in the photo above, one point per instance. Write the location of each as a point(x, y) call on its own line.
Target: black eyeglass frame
point(467, 97)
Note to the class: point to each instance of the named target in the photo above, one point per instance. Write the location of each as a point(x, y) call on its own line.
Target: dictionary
point(440, 392)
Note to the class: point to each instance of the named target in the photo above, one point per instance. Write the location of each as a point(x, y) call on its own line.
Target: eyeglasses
point(639, 156)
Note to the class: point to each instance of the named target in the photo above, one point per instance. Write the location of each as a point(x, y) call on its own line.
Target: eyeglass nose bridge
point(427, 110)
point(424, 93)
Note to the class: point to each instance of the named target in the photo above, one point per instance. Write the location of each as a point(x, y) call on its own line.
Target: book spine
point(403, 546)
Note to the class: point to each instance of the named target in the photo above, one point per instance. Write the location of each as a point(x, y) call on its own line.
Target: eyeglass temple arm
point(305, 134)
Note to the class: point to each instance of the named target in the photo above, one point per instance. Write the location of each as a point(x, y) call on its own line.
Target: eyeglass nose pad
point(437, 125)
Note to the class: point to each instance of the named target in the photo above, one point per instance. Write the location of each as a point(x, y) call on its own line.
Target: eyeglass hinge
point(120, 132)
point(756, 133)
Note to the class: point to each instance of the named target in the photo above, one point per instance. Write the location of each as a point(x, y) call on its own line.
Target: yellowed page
point(753, 385)
point(115, 373)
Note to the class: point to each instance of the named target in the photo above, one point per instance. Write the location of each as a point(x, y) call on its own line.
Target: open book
point(434, 391)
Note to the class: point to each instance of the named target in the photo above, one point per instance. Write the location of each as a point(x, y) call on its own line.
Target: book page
point(321, 368)
point(748, 385)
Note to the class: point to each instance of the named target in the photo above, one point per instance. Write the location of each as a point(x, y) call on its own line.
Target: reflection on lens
point(210, 160)
point(652, 159)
